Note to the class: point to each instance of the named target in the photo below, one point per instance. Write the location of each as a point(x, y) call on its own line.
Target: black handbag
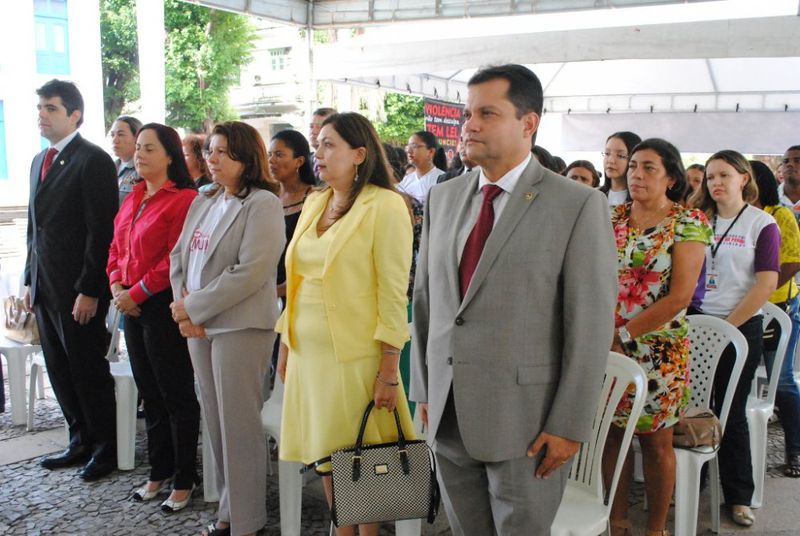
point(386, 482)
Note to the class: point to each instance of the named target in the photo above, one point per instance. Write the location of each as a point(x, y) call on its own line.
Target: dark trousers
point(735, 464)
point(165, 378)
point(80, 377)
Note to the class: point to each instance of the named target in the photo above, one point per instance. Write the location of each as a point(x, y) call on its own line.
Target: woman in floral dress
point(660, 249)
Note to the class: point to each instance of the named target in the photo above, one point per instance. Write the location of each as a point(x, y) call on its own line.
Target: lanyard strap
point(715, 247)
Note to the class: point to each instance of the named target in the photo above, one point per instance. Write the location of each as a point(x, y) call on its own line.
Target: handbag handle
point(401, 442)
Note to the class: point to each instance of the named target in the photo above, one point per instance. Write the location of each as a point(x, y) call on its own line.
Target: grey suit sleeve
point(590, 296)
point(261, 247)
point(418, 391)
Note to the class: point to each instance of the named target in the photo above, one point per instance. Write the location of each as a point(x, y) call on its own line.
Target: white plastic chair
point(759, 409)
point(16, 355)
point(586, 506)
point(709, 336)
point(290, 481)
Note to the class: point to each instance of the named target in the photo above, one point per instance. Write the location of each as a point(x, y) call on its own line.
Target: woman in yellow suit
point(345, 320)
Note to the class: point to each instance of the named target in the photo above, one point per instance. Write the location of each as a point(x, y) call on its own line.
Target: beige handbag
point(697, 428)
point(20, 326)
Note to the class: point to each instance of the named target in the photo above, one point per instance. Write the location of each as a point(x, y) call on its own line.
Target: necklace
point(651, 216)
point(303, 200)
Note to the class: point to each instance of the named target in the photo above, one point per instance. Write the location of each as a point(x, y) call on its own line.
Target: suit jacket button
point(459, 321)
point(449, 360)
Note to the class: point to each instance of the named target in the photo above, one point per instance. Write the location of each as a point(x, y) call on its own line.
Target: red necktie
point(477, 237)
point(48, 161)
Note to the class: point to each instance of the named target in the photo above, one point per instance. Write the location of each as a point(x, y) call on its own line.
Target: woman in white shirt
point(429, 161)
point(741, 273)
point(616, 155)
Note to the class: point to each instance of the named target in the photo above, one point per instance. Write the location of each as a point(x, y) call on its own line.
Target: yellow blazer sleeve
point(391, 251)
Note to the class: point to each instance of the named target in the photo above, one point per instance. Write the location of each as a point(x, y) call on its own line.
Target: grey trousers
point(230, 370)
point(485, 498)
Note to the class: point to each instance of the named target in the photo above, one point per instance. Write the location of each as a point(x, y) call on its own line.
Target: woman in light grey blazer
point(223, 277)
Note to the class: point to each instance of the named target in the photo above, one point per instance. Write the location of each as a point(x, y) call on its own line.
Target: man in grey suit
point(513, 317)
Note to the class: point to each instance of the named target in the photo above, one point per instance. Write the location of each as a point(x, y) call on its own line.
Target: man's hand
point(84, 309)
point(557, 451)
point(26, 300)
point(423, 413)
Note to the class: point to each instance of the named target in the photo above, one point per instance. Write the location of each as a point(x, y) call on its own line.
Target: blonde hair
point(702, 197)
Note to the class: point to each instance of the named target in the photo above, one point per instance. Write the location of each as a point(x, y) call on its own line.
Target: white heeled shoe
point(144, 494)
point(170, 507)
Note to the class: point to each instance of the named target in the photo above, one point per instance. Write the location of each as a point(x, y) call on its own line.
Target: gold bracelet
point(384, 382)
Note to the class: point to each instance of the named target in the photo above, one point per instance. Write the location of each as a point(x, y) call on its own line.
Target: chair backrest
point(622, 372)
point(708, 338)
point(112, 325)
point(773, 312)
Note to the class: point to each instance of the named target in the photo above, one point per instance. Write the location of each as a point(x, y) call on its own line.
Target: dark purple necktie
point(477, 237)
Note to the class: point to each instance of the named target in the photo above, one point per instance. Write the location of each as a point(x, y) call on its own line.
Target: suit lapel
point(461, 206)
point(521, 199)
point(349, 223)
point(60, 161)
point(312, 206)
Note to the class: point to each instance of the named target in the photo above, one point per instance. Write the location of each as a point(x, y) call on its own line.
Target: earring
point(356, 166)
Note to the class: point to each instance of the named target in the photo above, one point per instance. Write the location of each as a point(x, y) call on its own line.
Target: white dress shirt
point(507, 183)
point(417, 187)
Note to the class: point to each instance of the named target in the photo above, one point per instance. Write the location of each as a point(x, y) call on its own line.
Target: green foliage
point(120, 56)
point(404, 116)
point(204, 52)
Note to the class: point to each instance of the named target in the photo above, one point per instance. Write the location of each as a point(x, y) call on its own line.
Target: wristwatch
point(628, 344)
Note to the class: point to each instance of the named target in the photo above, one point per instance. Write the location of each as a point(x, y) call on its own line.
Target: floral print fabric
point(645, 271)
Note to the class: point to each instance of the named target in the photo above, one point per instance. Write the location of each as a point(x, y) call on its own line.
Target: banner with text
point(443, 120)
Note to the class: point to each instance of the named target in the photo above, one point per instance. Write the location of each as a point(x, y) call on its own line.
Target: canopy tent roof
point(595, 57)
point(348, 13)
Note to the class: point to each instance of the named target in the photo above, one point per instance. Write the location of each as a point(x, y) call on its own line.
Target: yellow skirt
point(324, 400)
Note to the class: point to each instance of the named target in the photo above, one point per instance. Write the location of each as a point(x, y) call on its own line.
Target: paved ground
point(40, 502)
point(34, 501)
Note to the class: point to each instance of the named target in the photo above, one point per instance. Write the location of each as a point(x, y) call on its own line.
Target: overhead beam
point(745, 38)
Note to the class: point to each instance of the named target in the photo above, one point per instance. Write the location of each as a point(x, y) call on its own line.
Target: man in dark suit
point(73, 200)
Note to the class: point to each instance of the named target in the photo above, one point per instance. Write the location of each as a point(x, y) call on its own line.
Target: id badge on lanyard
point(712, 275)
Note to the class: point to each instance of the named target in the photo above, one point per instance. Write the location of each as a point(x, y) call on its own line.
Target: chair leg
point(687, 494)
point(126, 422)
point(32, 395)
point(408, 527)
point(757, 422)
point(713, 486)
point(290, 486)
point(40, 380)
point(270, 470)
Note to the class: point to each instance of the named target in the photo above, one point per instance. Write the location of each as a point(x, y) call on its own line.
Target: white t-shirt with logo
point(198, 247)
point(750, 246)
